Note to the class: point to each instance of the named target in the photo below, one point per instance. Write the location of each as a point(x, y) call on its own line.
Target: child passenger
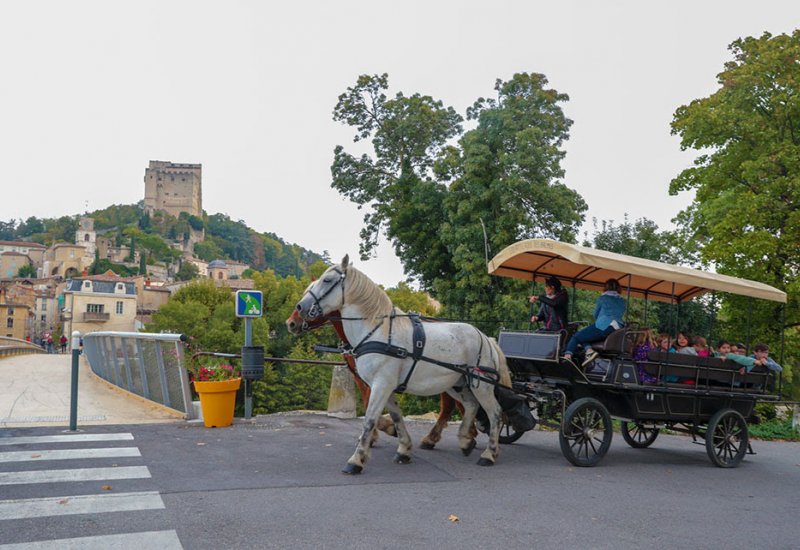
point(664, 342)
point(644, 343)
point(682, 344)
point(701, 347)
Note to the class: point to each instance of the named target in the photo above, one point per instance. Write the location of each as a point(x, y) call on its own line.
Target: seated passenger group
point(725, 350)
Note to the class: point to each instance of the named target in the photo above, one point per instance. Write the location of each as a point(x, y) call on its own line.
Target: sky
point(90, 92)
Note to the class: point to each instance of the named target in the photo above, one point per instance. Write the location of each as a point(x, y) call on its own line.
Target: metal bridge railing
point(15, 346)
point(149, 365)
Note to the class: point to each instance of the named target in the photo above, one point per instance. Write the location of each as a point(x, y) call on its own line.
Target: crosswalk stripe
point(77, 474)
point(70, 438)
point(163, 540)
point(82, 504)
point(68, 454)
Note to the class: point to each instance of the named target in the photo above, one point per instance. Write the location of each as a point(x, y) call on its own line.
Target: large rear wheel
point(637, 435)
point(586, 432)
point(726, 438)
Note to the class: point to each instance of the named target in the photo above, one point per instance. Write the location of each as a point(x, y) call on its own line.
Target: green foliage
point(26, 271)
point(99, 267)
point(187, 272)
point(745, 217)
point(774, 429)
point(205, 314)
point(408, 299)
point(433, 199)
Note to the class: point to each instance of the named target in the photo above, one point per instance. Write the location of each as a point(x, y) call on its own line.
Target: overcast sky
point(92, 91)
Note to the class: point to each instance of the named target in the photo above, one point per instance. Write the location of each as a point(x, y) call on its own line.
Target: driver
point(554, 304)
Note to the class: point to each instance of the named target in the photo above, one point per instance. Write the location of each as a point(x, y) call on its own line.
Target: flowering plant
point(214, 373)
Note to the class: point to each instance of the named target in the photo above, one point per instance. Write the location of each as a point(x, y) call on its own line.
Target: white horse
point(381, 335)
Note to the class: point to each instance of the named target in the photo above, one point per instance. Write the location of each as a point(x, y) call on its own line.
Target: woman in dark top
point(554, 305)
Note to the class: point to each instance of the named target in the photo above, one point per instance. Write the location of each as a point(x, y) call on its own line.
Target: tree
point(142, 264)
point(187, 272)
point(745, 216)
point(26, 271)
point(433, 199)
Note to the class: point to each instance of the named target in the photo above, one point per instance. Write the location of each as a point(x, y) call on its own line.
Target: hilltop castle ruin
point(173, 188)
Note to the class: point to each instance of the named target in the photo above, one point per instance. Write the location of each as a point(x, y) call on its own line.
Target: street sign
point(249, 303)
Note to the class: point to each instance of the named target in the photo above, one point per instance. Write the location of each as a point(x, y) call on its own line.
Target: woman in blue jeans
point(608, 313)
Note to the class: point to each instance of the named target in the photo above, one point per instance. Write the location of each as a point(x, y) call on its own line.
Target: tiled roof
point(12, 253)
point(22, 243)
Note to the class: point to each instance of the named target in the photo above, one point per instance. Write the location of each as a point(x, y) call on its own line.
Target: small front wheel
point(586, 432)
point(726, 438)
point(637, 435)
point(508, 434)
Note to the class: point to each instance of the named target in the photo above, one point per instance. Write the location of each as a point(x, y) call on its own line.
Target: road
point(275, 483)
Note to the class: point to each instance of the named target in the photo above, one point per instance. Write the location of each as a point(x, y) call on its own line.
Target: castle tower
point(173, 188)
point(85, 236)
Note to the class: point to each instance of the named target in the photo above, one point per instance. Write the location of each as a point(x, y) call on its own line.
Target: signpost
point(250, 305)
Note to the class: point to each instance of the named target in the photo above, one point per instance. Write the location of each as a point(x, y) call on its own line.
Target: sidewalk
point(35, 391)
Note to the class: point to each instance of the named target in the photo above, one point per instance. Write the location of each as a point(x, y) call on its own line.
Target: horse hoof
point(401, 459)
point(485, 462)
point(468, 450)
point(427, 446)
point(352, 469)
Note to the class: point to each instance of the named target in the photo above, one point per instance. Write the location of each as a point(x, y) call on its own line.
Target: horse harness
point(474, 375)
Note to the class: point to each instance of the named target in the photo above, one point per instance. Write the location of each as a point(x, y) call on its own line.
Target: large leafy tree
point(432, 196)
point(746, 212)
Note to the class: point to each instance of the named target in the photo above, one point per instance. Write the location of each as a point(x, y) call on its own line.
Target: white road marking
point(77, 474)
point(163, 540)
point(81, 504)
point(69, 438)
point(68, 454)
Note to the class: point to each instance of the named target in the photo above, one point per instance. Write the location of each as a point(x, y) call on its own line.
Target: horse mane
point(362, 290)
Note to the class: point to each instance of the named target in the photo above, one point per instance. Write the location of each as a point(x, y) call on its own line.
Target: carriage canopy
point(590, 268)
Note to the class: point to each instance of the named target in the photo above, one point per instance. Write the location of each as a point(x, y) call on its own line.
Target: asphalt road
point(276, 483)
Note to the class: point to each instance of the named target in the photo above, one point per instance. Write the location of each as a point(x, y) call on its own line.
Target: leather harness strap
point(478, 373)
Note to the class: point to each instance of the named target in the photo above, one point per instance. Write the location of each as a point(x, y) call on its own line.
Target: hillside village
point(125, 261)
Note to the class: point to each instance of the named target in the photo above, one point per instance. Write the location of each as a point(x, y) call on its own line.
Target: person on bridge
point(63, 342)
point(554, 306)
point(608, 313)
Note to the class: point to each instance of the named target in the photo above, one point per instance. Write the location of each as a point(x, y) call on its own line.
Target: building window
point(10, 323)
point(87, 283)
point(86, 237)
point(44, 318)
point(10, 311)
point(219, 275)
point(44, 305)
point(119, 308)
point(95, 308)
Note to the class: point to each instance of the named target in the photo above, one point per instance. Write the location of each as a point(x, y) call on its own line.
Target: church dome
point(217, 263)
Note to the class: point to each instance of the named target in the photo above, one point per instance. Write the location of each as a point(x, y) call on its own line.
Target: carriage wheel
point(586, 431)
point(726, 438)
point(508, 434)
point(637, 435)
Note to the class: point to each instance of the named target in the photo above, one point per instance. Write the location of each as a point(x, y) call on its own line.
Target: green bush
point(774, 429)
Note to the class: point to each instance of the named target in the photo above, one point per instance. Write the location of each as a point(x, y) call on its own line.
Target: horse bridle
point(316, 309)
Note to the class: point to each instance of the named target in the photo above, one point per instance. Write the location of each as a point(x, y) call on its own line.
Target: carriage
point(705, 397)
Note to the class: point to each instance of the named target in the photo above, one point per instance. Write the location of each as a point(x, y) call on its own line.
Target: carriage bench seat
point(615, 343)
point(707, 371)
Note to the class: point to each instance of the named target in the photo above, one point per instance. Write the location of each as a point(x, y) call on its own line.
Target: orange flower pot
point(217, 399)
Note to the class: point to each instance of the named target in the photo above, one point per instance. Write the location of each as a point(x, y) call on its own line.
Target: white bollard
point(342, 397)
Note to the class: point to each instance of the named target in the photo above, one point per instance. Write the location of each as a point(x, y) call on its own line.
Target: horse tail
point(502, 364)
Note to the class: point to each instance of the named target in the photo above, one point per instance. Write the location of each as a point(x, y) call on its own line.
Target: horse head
point(297, 325)
point(324, 295)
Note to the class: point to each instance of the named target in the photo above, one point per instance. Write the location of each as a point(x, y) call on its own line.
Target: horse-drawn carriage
point(703, 396)
point(395, 352)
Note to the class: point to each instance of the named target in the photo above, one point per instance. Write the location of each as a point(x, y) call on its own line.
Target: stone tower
point(173, 188)
point(86, 236)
